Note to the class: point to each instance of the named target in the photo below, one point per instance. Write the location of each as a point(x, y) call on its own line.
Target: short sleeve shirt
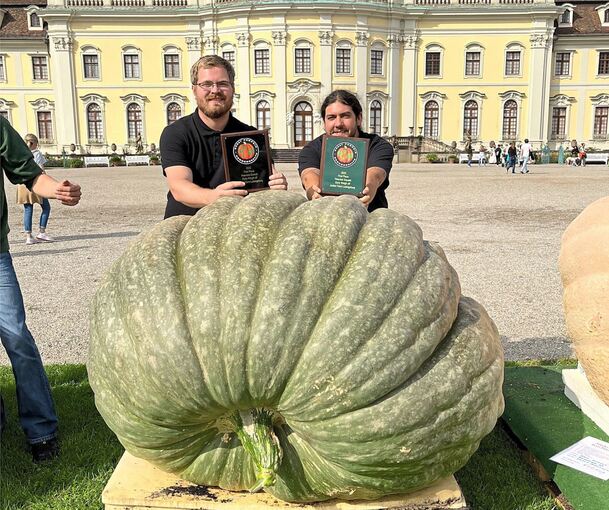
point(191, 143)
point(380, 154)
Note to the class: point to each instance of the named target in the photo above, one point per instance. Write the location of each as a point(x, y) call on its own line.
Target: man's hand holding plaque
point(343, 165)
point(247, 158)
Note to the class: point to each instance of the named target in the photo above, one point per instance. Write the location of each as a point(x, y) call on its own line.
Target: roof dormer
point(566, 18)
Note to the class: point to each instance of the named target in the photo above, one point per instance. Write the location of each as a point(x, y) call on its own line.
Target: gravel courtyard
point(501, 233)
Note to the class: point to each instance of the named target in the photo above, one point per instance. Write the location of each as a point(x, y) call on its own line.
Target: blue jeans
point(28, 212)
point(36, 410)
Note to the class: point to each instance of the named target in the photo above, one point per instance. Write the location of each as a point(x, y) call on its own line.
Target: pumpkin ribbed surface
point(584, 269)
point(309, 348)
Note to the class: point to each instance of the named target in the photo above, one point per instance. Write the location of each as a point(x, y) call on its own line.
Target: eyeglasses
point(209, 85)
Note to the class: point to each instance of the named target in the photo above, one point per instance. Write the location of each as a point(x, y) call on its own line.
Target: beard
point(215, 111)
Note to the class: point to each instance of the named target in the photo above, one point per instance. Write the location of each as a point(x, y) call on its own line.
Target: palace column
point(193, 46)
point(325, 48)
point(393, 80)
point(279, 131)
point(361, 71)
point(243, 75)
point(409, 81)
point(539, 87)
point(66, 115)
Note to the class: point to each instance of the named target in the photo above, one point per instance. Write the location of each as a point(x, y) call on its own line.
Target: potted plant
point(154, 160)
point(116, 160)
point(452, 158)
point(432, 157)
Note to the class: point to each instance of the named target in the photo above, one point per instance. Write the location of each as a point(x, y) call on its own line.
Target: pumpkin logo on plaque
point(343, 165)
point(247, 158)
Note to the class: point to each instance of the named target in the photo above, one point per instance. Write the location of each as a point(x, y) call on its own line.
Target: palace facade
point(99, 72)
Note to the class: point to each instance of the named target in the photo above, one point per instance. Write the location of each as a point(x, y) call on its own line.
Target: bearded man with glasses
point(190, 147)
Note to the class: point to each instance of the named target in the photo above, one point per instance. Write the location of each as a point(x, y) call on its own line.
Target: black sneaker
point(47, 450)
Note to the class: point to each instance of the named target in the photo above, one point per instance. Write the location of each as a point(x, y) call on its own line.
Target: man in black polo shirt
point(190, 147)
point(342, 115)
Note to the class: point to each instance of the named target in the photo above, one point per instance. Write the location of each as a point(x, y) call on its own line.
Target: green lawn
point(496, 478)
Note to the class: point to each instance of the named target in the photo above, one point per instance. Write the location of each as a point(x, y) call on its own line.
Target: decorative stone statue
point(561, 155)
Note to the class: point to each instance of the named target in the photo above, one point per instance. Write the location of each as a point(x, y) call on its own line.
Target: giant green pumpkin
point(310, 349)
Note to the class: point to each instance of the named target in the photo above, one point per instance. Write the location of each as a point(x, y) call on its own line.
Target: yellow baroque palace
point(93, 73)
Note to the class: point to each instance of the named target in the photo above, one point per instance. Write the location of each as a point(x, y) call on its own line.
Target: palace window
point(601, 118)
point(131, 63)
point(229, 55)
point(606, 16)
point(94, 123)
point(376, 62)
point(512, 63)
point(376, 111)
point(432, 119)
point(302, 60)
point(343, 59)
point(40, 69)
point(263, 115)
point(603, 63)
point(2, 69)
point(45, 126)
point(171, 63)
point(510, 120)
point(262, 61)
point(470, 118)
point(35, 21)
point(91, 66)
point(134, 121)
point(559, 122)
point(566, 18)
point(562, 66)
point(174, 112)
point(432, 63)
point(472, 63)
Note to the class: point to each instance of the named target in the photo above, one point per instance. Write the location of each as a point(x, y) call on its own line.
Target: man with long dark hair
point(341, 112)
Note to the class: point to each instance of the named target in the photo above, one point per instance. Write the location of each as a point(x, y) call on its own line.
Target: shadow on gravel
point(45, 252)
point(80, 237)
point(546, 348)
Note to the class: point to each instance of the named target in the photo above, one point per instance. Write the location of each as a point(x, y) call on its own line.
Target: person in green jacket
point(36, 409)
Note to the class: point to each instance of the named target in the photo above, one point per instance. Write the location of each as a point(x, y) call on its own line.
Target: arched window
point(94, 122)
point(263, 115)
point(34, 20)
point(134, 120)
point(510, 118)
point(303, 124)
point(432, 119)
point(470, 118)
point(375, 117)
point(174, 112)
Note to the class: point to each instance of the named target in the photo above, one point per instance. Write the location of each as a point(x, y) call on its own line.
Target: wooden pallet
point(137, 485)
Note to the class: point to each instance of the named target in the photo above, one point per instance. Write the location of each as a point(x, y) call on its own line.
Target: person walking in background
point(512, 156)
point(482, 156)
point(28, 198)
point(525, 155)
point(35, 403)
point(469, 149)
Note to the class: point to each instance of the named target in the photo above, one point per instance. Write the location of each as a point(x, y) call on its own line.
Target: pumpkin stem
point(254, 428)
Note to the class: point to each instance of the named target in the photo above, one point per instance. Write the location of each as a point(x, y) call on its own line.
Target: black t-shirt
point(380, 153)
point(189, 142)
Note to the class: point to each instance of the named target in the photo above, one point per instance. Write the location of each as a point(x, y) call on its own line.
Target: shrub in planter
point(154, 160)
point(116, 161)
point(432, 157)
point(452, 158)
point(74, 163)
